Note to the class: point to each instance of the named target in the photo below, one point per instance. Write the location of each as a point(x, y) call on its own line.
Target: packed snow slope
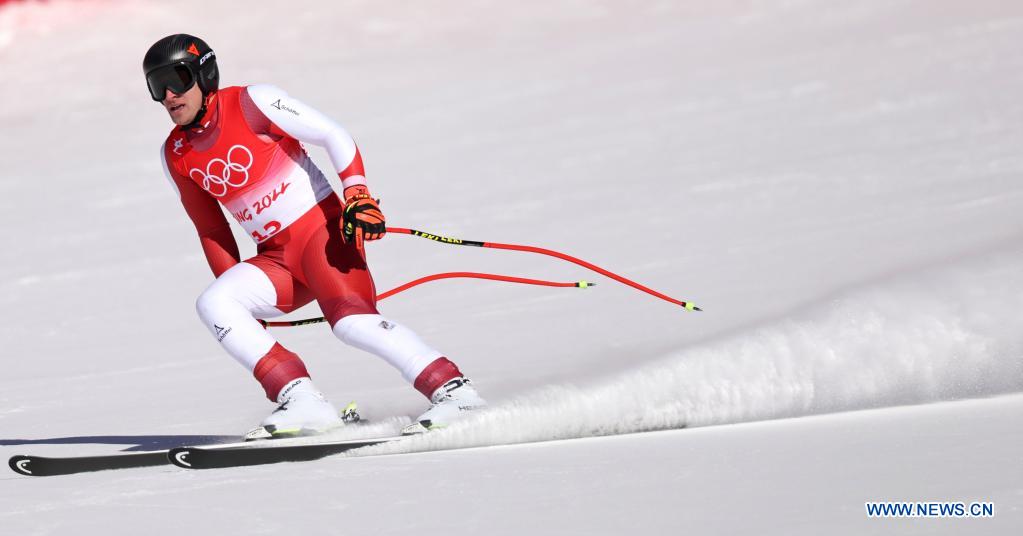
point(837, 184)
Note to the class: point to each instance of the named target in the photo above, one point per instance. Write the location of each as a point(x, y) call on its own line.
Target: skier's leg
point(229, 308)
point(263, 288)
point(338, 276)
point(432, 374)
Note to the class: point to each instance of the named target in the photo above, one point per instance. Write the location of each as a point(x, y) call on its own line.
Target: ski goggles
point(177, 77)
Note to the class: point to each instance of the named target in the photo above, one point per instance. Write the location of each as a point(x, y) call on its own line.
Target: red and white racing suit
point(248, 157)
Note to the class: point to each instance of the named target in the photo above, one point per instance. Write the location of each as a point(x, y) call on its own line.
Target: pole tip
point(692, 307)
point(585, 284)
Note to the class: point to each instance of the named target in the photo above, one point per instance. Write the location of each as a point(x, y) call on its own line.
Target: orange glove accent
point(362, 218)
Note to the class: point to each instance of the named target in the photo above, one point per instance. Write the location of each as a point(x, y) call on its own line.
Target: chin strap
point(201, 114)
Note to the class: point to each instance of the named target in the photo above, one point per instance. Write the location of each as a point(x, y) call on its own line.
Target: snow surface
point(838, 184)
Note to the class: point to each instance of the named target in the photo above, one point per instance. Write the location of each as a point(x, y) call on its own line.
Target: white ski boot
point(450, 402)
point(302, 410)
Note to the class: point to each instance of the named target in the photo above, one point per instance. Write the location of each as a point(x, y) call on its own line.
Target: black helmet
point(177, 62)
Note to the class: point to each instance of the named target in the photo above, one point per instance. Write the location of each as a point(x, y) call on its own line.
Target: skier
point(240, 147)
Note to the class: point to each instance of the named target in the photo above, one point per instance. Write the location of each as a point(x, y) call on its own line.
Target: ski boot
point(303, 412)
point(450, 402)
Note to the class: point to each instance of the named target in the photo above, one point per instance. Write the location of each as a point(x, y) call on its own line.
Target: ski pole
point(532, 249)
point(435, 277)
point(495, 277)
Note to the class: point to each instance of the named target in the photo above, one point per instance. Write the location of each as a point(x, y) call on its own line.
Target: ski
point(193, 457)
point(68, 465)
point(263, 453)
point(50, 466)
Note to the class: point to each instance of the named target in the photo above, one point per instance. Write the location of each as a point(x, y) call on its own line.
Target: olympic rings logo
point(218, 174)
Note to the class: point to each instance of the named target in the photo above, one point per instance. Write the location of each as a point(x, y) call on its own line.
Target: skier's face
point(182, 108)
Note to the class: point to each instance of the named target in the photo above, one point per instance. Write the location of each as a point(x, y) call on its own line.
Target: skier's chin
point(182, 117)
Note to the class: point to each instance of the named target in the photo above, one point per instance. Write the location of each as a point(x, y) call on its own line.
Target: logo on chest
point(221, 174)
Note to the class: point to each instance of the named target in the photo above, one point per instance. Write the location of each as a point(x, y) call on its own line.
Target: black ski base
point(43, 466)
point(206, 457)
point(265, 453)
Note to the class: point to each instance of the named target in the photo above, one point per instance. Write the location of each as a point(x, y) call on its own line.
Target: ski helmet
point(177, 62)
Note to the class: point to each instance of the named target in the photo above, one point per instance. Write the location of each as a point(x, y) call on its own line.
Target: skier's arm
point(278, 114)
point(218, 244)
point(289, 116)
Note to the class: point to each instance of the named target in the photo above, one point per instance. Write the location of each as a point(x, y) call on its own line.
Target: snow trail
point(928, 336)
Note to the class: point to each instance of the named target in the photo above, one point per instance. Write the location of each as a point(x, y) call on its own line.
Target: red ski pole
point(435, 277)
point(496, 277)
point(532, 249)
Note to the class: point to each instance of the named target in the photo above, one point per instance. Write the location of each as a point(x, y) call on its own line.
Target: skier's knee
point(349, 329)
point(378, 335)
point(210, 301)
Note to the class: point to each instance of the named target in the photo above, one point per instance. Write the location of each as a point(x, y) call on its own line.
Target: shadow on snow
point(138, 442)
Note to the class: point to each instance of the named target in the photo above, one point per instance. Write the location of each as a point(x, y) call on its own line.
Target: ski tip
point(179, 456)
point(21, 464)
